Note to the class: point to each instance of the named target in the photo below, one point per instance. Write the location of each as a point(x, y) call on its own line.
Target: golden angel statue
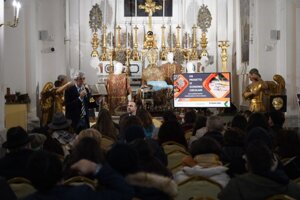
point(255, 91)
point(52, 98)
point(259, 92)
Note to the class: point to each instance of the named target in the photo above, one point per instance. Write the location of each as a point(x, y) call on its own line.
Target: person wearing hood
point(204, 161)
point(264, 178)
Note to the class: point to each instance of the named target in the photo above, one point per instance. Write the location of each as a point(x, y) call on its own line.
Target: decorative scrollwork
point(121, 56)
point(179, 56)
point(95, 18)
point(204, 18)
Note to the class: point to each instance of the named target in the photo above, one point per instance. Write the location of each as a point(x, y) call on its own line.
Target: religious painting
point(130, 6)
point(245, 29)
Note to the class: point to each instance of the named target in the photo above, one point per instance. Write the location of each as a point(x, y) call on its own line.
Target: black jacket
point(14, 164)
point(74, 105)
point(116, 188)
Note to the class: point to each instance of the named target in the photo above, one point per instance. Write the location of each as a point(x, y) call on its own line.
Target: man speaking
point(78, 100)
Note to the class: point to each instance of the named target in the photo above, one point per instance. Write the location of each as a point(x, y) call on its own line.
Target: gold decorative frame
point(95, 21)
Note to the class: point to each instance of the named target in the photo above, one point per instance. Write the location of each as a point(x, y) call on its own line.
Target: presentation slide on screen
point(202, 90)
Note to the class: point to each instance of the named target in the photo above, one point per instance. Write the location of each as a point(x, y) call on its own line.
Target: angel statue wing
point(47, 102)
point(276, 87)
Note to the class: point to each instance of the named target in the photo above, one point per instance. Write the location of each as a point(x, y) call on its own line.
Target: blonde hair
point(90, 132)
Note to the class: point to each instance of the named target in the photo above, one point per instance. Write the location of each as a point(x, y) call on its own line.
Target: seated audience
point(19, 150)
point(205, 161)
point(147, 161)
point(86, 148)
point(147, 186)
point(134, 132)
point(288, 150)
point(60, 136)
point(199, 123)
point(126, 122)
point(147, 122)
point(45, 173)
point(169, 116)
point(215, 128)
point(257, 120)
point(233, 151)
point(37, 141)
point(90, 132)
point(105, 125)
point(189, 120)
point(259, 133)
point(239, 121)
point(5, 191)
point(171, 131)
point(276, 121)
point(264, 178)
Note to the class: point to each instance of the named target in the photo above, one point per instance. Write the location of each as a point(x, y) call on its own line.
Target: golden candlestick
point(224, 45)
point(204, 43)
point(194, 54)
point(104, 47)
point(187, 54)
point(163, 41)
point(118, 38)
point(163, 53)
point(95, 44)
point(178, 37)
point(135, 52)
point(111, 65)
point(128, 53)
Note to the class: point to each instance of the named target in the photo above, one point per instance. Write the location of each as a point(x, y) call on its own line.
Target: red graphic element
point(180, 84)
point(220, 84)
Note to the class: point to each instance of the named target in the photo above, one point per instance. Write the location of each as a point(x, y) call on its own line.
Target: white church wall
point(14, 54)
point(29, 58)
point(266, 48)
point(291, 56)
point(298, 48)
point(51, 62)
point(2, 86)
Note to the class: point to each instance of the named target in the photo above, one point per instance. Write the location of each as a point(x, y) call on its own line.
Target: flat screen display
point(202, 90)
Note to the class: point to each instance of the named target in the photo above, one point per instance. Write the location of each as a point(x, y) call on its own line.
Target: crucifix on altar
point(150, 7)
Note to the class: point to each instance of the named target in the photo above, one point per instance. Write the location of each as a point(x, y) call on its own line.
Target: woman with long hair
point(147, 122)
point(105, 124)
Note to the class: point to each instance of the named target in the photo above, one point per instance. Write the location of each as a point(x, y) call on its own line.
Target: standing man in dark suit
point(78, 100)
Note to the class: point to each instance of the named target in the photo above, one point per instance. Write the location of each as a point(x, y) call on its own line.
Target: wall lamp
point(14, 23)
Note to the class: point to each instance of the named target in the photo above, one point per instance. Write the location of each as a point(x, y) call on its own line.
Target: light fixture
point(14, 23)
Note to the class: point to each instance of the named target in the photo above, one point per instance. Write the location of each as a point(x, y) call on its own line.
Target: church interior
point(209, 56)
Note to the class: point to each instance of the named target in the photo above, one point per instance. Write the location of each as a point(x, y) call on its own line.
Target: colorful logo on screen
point(180, 84)
point(217, 84)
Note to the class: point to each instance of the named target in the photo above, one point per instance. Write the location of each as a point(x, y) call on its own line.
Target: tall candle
point(18, 9)
point(111, 40)
point(126, 35)
point(186, 39)
point(164, 1)
point(14, 4)
point(135, 11)
point(105, 11)
point(194, 5)
point(144, 30)
point(171, 36)
point(226, 20)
